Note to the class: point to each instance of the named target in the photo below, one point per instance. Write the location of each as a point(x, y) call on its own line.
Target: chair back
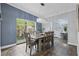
point(28, 38)
point(49, 36)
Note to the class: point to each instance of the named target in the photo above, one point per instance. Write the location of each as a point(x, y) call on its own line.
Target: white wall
point(58, 26)
point(73, 29)
point(78, 44)
point(72, 25)
point(47, 27)
point(78, 29)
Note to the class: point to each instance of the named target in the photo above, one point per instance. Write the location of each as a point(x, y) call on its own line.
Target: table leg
point(39, 45)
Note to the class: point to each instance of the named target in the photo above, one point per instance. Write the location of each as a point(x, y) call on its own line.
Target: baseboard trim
point(72, 44)
point(7, 46)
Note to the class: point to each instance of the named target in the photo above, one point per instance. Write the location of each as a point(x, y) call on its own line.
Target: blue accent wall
point(0, 33)
point(0, 25)
point(8, 26)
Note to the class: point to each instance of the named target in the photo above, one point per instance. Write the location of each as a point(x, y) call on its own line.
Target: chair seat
point(32, 42)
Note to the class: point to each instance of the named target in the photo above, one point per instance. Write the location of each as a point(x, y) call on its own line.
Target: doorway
point(60, 27)
point(23, 25)
point(20, 26)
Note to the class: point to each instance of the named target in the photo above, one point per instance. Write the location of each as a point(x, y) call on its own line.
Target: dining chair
point(30, 42)
point(43, 43)
point(49, 38)
point(46, 40)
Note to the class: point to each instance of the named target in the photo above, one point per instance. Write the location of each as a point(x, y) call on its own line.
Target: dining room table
point(38, 39)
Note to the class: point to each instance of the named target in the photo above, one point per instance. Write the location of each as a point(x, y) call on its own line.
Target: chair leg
point(26, 47)
point(44, 46)
point(30, 50)
point(35, 46)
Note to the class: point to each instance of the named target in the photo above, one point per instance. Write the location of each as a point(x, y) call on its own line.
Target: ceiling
point(50, 9)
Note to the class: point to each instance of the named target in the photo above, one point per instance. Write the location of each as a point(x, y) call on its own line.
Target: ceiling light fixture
point(42, 4)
